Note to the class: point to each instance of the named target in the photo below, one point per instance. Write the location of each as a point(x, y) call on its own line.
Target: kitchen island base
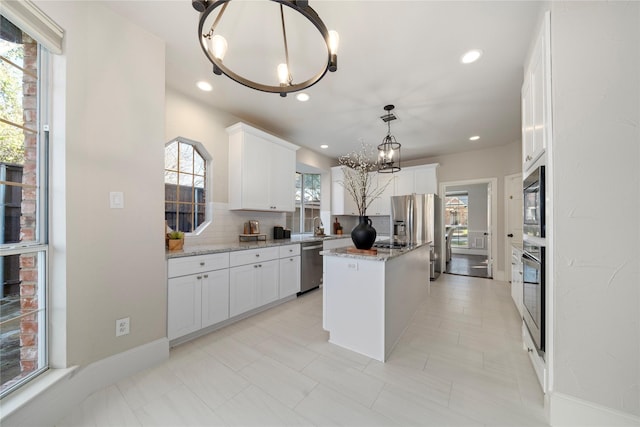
point(368, 301)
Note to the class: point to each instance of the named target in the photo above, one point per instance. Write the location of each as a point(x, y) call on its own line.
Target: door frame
point(507, 241)
point(493, 219)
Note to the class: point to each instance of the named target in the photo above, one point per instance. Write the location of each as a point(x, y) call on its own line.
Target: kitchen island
point(369, 300)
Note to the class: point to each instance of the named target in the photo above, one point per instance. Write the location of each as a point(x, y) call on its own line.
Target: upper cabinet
point(414, 179)
point(536, 99)
point(262, 170)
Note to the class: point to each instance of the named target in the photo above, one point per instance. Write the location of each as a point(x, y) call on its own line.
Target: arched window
point(186, 165)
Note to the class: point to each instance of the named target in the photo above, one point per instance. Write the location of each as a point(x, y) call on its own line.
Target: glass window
point(457, 216)
point(307, 203)
point(23, 215)
point(185, 185)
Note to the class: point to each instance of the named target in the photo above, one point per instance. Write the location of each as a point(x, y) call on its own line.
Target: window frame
point(40, 243)
point(208, 181)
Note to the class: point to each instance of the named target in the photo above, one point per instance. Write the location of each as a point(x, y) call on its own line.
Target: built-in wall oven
point(533, 197)
point(533, 312)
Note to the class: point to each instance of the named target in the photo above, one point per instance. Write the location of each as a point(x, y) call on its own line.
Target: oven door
point(534, 296)
point(533, 198)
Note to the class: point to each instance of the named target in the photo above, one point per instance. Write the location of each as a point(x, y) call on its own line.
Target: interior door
point(490, 232)
point(513, 204)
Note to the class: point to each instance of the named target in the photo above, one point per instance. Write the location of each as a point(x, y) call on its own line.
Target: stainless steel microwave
point(533, 198)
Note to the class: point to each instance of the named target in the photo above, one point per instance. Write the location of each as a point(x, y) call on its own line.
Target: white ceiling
point(405, 53)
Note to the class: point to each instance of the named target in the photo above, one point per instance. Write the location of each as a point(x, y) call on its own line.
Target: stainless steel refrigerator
point(415, 218)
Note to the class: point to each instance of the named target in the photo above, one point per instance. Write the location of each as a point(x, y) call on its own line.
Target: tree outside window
point(185, 178)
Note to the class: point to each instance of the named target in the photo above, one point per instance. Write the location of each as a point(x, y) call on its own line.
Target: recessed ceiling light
point(324, 146)
point(474, 138)
point(471, 56)
point(202, 85)
point(302, 97)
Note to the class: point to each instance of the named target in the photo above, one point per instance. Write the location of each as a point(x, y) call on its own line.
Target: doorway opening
point(469, 218)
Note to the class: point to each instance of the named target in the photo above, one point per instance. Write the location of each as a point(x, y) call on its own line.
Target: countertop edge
point(383, 254)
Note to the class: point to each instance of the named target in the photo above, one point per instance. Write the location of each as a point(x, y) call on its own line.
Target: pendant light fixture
point(389, 150)
point(215, 46)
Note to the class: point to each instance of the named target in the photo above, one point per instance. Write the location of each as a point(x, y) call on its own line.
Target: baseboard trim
point(566, 410)
point(52, 404)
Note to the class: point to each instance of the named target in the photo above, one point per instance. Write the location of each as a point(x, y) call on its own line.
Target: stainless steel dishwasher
point(310, 266)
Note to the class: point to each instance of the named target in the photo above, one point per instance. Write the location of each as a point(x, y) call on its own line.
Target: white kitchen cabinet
point(341, 201)
point(382, 205)
point(289, 283)
point(198, 293)
point(516, 278)
point(416, 179)
point(253, 279)
point(261, 170)
point(536, 99)
point(252, 285)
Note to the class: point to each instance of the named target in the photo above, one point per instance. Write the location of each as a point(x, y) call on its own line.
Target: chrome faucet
point(318, 230)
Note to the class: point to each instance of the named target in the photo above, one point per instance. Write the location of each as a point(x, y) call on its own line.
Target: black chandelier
point(389, 150)
point(215, 46)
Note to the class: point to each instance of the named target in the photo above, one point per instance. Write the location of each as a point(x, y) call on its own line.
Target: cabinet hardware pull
point(199, 277)
point(255, 266)
point(206, 276)
point(530, 350)
point(202, 263)
point(257, 255)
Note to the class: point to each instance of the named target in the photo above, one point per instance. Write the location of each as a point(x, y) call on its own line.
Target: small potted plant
point(175, 240)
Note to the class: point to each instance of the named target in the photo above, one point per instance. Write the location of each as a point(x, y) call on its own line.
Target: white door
point(242, 289)
point(267, 282)
point(183, 311)
point(489, 232)
point(289, 276)
point(513, 206)
point(215, 297)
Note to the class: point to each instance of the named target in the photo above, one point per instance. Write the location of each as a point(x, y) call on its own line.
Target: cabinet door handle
point(510, 235)
point(255, 265)
point(202, 264)
point(206, 276)
point(199, 277)
point(257, 255)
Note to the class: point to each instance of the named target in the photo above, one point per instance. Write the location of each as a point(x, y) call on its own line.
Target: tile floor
point(468, 265)
point(460, 362)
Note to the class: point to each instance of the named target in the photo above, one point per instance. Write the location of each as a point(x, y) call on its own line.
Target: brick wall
point(29, 262)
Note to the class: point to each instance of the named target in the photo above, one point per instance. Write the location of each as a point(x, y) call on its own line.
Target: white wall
point(596, 95)
point(197, 121)
point(107, 134)
point(483, 163)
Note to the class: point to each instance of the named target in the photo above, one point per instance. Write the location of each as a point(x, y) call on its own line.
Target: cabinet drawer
point(289, 250)
point(197, 264)
point(251, 256)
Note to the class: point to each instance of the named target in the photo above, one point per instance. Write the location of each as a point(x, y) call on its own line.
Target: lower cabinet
point(196, 301)
point(289, 276)
point(516, 278)
point(253, 285)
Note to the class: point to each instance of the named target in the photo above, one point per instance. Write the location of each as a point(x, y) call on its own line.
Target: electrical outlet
point(122, 326)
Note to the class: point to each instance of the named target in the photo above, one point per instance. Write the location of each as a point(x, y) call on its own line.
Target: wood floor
point(460, 362)
point(468, 265)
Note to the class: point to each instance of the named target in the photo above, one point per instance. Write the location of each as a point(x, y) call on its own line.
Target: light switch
point(116, 199)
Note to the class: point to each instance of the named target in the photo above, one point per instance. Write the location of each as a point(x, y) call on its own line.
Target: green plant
point(176, 235)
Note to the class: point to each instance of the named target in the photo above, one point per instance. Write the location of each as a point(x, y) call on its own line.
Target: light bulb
point(218, 46)
point(334, 41)
point(283, 74)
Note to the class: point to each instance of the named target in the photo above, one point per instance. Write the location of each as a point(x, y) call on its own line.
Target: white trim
point(493, 221)
point(507, 240)
point(55, 399)
point(566, 410)
point(34, 22)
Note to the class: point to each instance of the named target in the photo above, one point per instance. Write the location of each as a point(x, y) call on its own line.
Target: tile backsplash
point(226, 225)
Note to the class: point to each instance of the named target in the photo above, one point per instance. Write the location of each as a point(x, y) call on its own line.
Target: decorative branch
point(357, 168)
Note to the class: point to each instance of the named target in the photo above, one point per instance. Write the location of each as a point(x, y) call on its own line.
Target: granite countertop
point(382, 255)
point(191, 250)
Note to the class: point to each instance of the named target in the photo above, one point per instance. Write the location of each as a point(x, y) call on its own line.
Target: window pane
point(22, 318)
point(198, 181)
point(171, 156)
point(185, 218)
point(198, 164)
point(170, 192)
point(170, 177)
point(199, 215)
point(186, 158)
